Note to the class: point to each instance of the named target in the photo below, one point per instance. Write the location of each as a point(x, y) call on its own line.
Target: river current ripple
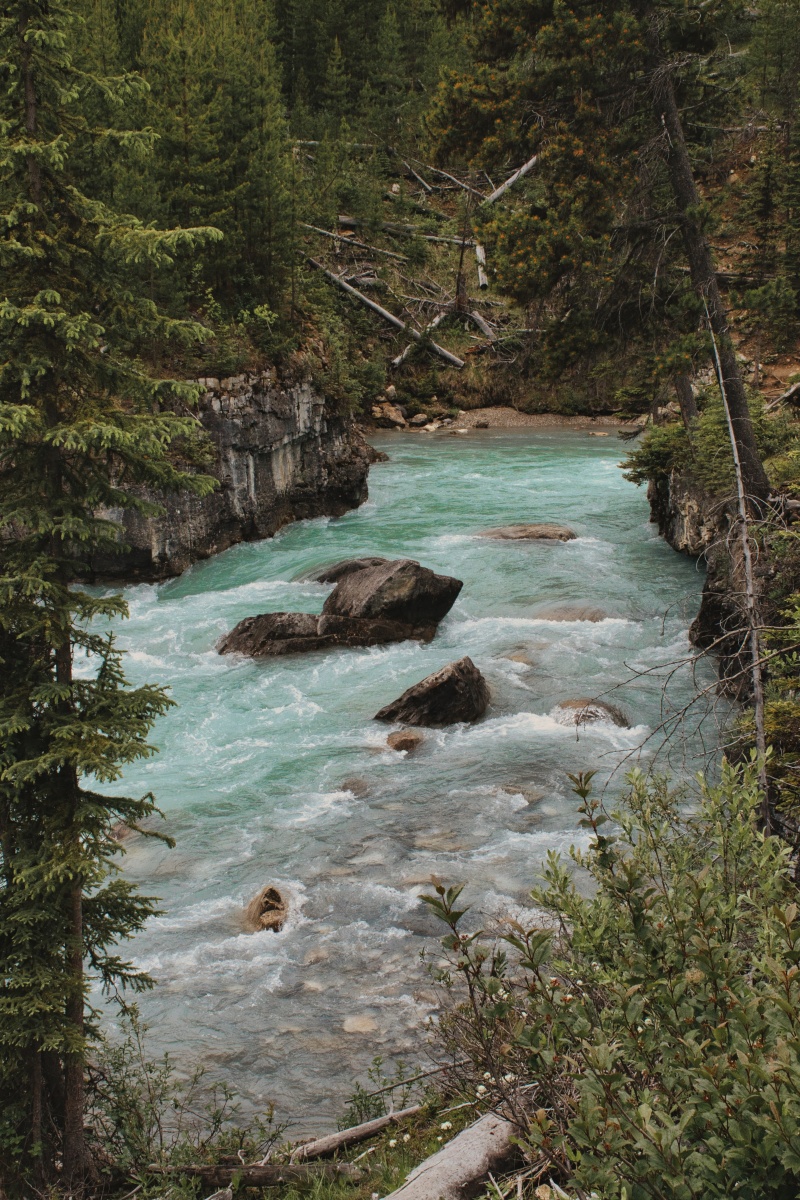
point(274, 772)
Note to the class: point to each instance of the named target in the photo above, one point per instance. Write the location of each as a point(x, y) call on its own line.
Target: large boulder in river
point(274, 634)
point(585, 711)
point(458, 692)
point(374, 602)
point(399, 590)
point(530, 533)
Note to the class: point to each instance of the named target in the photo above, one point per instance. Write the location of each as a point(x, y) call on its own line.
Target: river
point(274, 772)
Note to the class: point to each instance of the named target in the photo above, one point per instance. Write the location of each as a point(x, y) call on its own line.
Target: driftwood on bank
point(459, 1169)
point(512, 179)
point(452, 359)
point(322, 1147)
point(260, 1176)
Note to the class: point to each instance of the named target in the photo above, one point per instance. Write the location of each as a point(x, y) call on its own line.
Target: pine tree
point(82, 429)
point(598, 94)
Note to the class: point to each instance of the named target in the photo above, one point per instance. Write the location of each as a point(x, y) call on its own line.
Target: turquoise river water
point(275, 772)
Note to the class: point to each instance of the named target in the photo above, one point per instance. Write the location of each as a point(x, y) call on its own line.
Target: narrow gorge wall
point(279, 456)
point(694, 522)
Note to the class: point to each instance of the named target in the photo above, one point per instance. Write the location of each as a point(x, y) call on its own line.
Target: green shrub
point(645, 1033)
point(704, 451)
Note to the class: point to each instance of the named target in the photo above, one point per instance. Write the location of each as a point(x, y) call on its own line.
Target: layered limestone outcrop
point(279, 455)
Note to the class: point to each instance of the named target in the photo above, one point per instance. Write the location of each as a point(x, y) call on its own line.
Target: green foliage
point(704, 451)
point(647, 1028)
point(143, 1111)
point(83, 427)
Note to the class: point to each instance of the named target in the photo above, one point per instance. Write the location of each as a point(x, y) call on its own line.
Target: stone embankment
point(280, 455)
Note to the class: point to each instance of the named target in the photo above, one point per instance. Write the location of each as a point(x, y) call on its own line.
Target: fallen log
point(480, 255)
point(423, 184)
point(437, 320)
point(483, 325)
point(261, 1176)
point(452, 359)
point(338, 237)
point(321, 1147)
point(512, 179)
point(446, 175)
point(403, 231)
point(459, 1169)
point(791, 396)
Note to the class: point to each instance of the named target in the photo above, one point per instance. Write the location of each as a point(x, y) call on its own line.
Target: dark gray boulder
point(375, 601)
point(399, 590)
point(458, 692)
point(274, 634)
point(333, 572)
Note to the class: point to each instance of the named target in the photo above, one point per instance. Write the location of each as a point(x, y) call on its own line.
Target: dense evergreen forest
point(184, 186)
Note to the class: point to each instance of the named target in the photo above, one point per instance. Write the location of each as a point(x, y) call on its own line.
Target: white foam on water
point(257, 759)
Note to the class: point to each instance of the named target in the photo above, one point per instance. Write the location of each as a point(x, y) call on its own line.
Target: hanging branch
point(512, 179)
point(452, 359)
point(751, 601)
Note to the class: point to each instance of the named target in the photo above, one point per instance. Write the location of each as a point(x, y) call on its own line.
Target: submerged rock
point(267, 910)
point(530, 533)
point(399, 590)
point(404, 739)
point(586, 710)
point(570, 612)
point(458, 692)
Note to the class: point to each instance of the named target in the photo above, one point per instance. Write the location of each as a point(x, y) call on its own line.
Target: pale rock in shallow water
point(570, 612)
point(545, 532)
point(585, 711)
point(403, 739)
point(360, 1024)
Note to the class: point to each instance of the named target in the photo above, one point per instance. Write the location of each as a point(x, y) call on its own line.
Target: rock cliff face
point(696, 523)
point(279, 457)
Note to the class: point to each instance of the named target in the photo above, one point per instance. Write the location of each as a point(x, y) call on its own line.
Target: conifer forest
point(399, 599)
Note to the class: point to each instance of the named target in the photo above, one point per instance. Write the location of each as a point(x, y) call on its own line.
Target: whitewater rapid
point(274, 772)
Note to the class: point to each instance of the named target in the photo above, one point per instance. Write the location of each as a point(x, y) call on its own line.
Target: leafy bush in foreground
point(645, 1034)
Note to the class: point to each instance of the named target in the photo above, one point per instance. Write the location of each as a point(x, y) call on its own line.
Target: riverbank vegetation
point(173, 175)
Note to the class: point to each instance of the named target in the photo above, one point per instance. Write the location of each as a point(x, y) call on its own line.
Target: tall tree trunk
point(74, 1149)
point(73, 1145)
point(686, 400)
point(701, 264)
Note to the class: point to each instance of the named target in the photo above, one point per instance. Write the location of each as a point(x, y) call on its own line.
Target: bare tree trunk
point(73, 1145)
point(74, 1149)
point(701, 265)
point(683, 390)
